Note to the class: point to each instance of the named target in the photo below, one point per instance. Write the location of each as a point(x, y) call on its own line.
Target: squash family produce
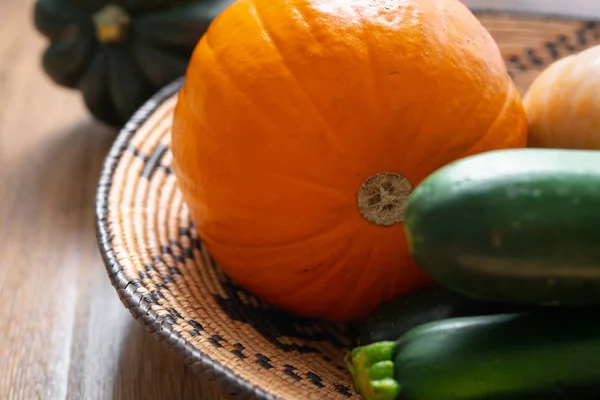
point(533, 355)
point(563, 103)
point(519, 226)
point(302, 127)
point(119, 53)
point(420, 306)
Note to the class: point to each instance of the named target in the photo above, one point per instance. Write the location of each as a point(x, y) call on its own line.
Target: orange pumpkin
point(563, 103)
point(303, 125)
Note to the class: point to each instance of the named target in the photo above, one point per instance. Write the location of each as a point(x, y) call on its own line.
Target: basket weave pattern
point(171, 284)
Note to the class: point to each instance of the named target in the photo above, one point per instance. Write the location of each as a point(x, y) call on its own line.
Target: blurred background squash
point(562, 103)
point(119, 54)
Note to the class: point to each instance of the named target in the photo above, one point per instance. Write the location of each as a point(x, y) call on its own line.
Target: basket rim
point(520, 11)
point(126, 291)
point(138, 307)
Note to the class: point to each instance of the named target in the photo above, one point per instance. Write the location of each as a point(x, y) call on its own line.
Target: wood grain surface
point(64, 333)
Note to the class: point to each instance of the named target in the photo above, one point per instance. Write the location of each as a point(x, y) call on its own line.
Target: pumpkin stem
point(382, 198)
point(112, 23)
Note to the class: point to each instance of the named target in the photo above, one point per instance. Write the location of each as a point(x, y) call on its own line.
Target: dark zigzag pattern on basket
point(152, 162)
point(532, 58)
point(272, 324)
point(216, 340)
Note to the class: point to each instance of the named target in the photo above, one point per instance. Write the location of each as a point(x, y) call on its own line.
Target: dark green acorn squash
point(118, 53)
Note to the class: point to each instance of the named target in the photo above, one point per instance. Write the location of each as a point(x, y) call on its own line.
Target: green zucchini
point(420, 306)
point(547, 354)
point(519, 226)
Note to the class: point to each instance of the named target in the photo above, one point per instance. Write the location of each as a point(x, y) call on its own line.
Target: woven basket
point(169, 282)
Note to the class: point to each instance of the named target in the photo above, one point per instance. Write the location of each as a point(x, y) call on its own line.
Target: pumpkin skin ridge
point(508, 102)
point(342, 303)
point(324, 231)
point(342, 203)
point(270, 39)
point(298, 240)
point(191, 190)
point(321, 279)
point(369, 43)
point(304, 275)
point(365, 280)
point(562, 101)
point(347, 311)
point(471, 109)
point(391, 269)
point(475, 110)
point(335, 144)
point(344, 255)
point(424, 109)
point(573, 66)
point(341, 162)
point(560, 69)
point(510, 94)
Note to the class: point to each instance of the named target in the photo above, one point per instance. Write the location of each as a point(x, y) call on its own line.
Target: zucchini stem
point(372, 368)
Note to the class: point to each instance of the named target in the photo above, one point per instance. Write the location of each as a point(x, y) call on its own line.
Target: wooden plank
point(64, 332)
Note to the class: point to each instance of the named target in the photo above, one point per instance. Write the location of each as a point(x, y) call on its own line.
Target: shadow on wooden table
point(61, 175)
point(152, 371)
point(111, 355)
point(67, 169)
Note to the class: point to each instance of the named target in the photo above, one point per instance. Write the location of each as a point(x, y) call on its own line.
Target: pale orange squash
point(302, 127)
point(563, 103)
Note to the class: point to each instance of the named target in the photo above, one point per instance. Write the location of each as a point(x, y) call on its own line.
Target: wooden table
point(64, 332)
